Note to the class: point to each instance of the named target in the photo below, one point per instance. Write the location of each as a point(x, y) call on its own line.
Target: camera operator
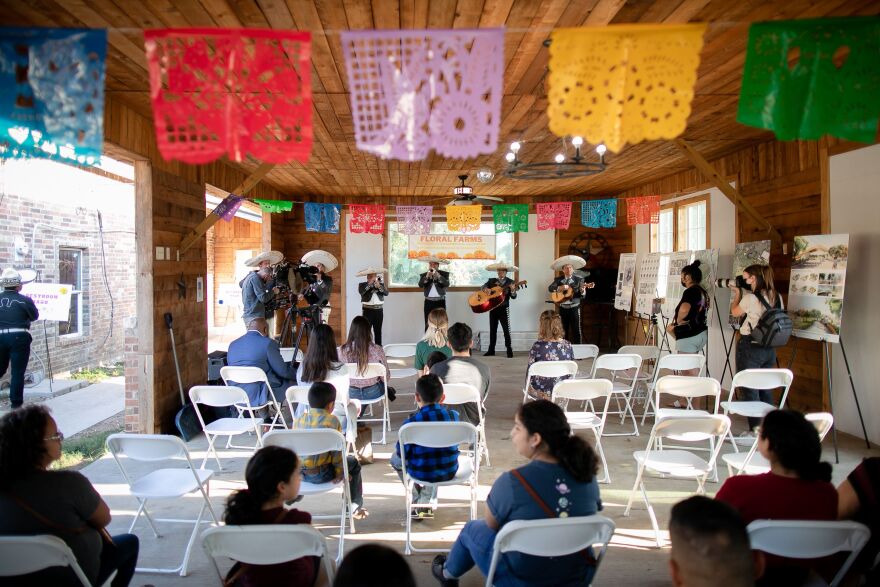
point(759, 281)
point(434, 283)
point(689, 324)
point(259, 287)
point(373, 292)
point(320, 285)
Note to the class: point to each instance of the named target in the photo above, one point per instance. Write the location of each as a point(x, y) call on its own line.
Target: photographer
point(320, 285)
point(759, 281)
point(373, 292)
point(689, 324)
point(258, 287)
point(434, 283)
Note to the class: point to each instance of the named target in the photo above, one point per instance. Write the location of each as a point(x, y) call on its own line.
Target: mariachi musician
point(571, 289)
point(434, 283)
point(320, 285)
point(501, 312)
point(373, 292)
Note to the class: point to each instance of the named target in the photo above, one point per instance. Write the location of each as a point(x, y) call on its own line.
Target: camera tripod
point(309, 317)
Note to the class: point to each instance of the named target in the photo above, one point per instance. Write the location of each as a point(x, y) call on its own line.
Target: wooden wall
point(229, 237)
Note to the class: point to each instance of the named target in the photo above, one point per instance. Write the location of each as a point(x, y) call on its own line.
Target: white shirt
point(375, 301)
point(754, 309)
point(433, 293)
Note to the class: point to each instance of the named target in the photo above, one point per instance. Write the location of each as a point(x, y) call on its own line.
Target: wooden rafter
point(732, 194)
point(243, 188)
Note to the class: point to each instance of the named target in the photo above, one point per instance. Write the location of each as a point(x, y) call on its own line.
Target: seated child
point(328, 466)
point(434, 358)
point(428, 464)
point(273, 477)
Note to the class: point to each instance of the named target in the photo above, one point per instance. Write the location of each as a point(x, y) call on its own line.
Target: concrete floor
point(632, 558)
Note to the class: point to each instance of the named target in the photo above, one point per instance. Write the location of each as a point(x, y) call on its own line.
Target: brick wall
point(33, 232)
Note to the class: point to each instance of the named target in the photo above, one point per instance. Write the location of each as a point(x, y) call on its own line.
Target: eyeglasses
point(59, 437)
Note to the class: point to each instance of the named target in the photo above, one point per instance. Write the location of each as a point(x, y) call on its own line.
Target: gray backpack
point(774, 326)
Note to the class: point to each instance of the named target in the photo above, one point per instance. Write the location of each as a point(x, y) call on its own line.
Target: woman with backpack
point(750, 352)
point(689, 324)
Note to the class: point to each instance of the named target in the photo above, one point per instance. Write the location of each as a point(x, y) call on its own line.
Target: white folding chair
point(22, 555)
point(265, 544)
point(686, 388)
point(625, 367)
point(400, 359)
point(291, 354)
point(673, 364)
point(553, 537)
point(168, 483)
point(374, 370)
point(554, 369)
point(439, 435)
point(756, 379)
point(220, 396)
point(465, 393)
point(810, 539)
point(239, 375)
point(296, 394)
point(316, 441)
point(586, 390)
point(682, 464)
point(753, 463)
point(583, 352)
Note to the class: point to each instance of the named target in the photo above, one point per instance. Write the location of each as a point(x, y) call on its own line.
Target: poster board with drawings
point(745, 254)
point(709, 266)
point(649, 272)
point(626, 278)
point(816, 287)
point(674, 289)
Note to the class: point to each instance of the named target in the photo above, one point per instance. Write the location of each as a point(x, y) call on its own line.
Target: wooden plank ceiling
point(338, 170)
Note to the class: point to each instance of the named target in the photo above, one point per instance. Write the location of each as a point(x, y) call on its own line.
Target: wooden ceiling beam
point(732, 194)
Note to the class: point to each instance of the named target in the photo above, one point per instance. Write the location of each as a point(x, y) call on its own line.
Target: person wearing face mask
point(258, 287)
point(746, 304)
point(559, 481)
point(434, 283)
point(689, 323)
point(574, 289)
point(373, 292)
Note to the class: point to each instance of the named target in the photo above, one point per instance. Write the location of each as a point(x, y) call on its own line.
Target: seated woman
point(35, 500)
point(798, 486)
point(559, 481)
point(273, 477)
point(360, 349)
point(435, 338)
point(550, 346)
point(321, 363)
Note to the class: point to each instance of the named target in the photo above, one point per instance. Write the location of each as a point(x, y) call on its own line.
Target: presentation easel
point(728, 365)
point(826, 347)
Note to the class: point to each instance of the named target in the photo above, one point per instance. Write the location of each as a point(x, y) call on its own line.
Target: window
point(70, 272)
point(683, 226)
point(404, 272)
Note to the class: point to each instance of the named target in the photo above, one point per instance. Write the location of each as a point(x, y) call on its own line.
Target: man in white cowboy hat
point(501, 312)
point(320, 284)
point(575, 289)
point(258, 287)
point(16, 314)
point(434, 283)
point(373, 292)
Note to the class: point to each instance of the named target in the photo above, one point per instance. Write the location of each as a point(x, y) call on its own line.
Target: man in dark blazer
point(570, 307)
point(500, 313)
point(255, 349)
point(434, 283)
point(373, 292)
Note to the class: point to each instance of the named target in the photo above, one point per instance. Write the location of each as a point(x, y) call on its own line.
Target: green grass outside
point(98, 374)
point(82, 451)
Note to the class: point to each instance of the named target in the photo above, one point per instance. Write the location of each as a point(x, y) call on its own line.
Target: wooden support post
point(732, 194)
point(247, 185)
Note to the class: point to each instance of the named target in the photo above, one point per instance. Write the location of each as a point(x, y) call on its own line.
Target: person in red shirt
point(798, 486)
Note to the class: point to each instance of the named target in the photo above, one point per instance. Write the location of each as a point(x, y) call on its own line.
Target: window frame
point(76, 293)
point(679, 236)
point(386, 255)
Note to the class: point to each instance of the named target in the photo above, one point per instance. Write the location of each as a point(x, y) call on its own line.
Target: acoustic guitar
point(559, 296)
point(481, 301)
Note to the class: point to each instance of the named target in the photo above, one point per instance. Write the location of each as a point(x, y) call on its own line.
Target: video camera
point(736, 282)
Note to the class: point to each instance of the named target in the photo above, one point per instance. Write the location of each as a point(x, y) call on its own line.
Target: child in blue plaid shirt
point(428, 464)
point(328, 466)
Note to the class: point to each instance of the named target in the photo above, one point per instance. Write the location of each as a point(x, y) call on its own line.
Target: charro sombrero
point(433, 259)
point(10, 278)
point(573, 260)
point(274, 257)
point(369, 270)
point(323, 257)
point(499, 266)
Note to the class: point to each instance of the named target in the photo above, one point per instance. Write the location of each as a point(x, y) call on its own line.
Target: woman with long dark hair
point(36, 500)
point(321, 363)
point(798, 486)
point(559, 481)
point(273, 477)
point(748, 304)
point(361, 350)
point(689, 324)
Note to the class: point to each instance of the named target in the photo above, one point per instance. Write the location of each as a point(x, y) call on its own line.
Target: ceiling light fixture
point(561, 167)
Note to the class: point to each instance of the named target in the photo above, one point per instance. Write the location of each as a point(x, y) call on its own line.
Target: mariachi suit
point(369, 309)
point(500, 313)
point(440, 282)
point(570, 309)
point(318, 294)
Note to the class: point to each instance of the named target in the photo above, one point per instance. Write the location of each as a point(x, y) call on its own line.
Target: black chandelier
point(561, 167)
